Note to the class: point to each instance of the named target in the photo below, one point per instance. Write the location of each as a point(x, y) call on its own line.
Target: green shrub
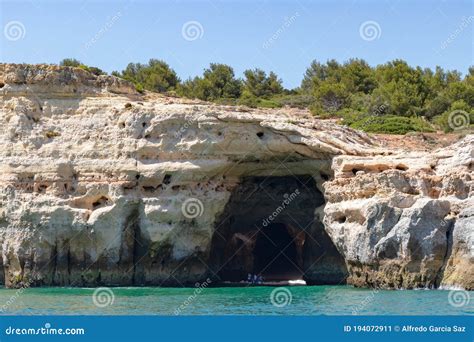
point(390, 124)
point(72, 62)
point(457, 118)
point(249, 100)
point(258, 84)
point(393, 97)
point(93, 70)
point(218, 82)
point(226, 101)
point(295, 100)
point(156, 75)
point(264, 103)
point(330, 96)
point(139, 88)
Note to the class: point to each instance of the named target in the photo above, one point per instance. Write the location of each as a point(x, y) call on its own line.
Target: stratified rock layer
point(101, 185)
point(404, 221)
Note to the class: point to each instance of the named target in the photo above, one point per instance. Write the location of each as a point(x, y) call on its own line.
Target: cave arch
point(269, 227)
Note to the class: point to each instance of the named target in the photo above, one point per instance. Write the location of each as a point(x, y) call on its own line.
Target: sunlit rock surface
point(101, 185)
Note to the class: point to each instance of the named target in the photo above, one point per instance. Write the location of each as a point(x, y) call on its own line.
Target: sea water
point(297, 300)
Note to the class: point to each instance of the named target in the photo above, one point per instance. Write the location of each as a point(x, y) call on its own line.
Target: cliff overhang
point(101, 185)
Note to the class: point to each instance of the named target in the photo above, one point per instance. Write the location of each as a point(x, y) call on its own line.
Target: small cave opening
point(401, 167)
point(100, 202)
point(269, 228)
point(167, 179)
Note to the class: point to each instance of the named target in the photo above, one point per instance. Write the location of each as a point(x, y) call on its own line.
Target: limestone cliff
point(101, 185)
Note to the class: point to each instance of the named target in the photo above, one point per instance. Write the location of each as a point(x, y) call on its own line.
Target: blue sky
point(283, 36)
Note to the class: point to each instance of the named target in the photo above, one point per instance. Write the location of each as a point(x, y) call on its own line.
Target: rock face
point(405, 221)
point(101, 185)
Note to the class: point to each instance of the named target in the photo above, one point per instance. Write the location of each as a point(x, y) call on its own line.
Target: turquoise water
point(305, 300)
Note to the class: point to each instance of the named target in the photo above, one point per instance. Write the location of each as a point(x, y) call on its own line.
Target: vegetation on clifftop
point(72, 62)
point(389, 98)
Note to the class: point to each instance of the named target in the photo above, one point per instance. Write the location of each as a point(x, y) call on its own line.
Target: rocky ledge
point(101, 185)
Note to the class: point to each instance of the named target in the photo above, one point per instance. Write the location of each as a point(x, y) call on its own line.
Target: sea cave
point(270, 228)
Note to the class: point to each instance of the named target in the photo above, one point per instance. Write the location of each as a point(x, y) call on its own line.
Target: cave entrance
point(275, 254)
point(270, 227)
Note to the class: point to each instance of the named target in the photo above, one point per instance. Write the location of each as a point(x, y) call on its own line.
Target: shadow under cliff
point(269, 227)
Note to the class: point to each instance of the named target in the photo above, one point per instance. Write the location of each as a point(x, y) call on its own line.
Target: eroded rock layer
point(101, 185)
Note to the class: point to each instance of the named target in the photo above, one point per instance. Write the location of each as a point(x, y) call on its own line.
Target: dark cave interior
point(269, 228)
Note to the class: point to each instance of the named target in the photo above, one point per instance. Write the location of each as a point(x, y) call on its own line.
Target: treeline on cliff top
point(389, 98)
